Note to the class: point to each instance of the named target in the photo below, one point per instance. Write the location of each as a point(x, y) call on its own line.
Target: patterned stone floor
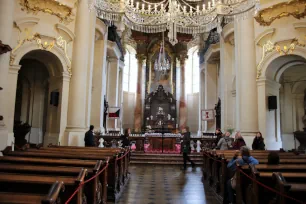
point(166, 185)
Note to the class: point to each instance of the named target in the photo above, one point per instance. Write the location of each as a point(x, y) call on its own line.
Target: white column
point(64, 107)
point(91, 48)
point(76, 124)
point(120, 95)
point(226, 77)
point(99, 83)
point(6, 28)
point(201, 88)
point(113, 88)
point(10, 100)
point(246, 94)
point(211, 98)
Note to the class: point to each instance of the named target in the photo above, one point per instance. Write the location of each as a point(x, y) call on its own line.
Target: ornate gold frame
point(64, 13)
point(295, 8)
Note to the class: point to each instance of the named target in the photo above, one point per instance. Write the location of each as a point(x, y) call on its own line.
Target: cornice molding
point(261, 39)
point(27, 20)
point(66, 30)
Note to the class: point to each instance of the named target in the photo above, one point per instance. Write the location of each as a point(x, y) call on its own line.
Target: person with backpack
point(245, 159)
point(225, 142)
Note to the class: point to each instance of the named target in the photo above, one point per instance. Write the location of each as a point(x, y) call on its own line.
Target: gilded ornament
point(64, 13)
point(282, 50)
point(295, 8)
point(46, 45)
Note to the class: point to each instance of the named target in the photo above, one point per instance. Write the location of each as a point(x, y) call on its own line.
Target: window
point(130, 70)
point(192, 81)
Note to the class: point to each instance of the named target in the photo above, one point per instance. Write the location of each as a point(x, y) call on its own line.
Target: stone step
point(164, 155)
point(165, 158)
point(163, 162)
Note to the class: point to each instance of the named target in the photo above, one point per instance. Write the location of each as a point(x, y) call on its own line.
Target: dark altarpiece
point(160, 110)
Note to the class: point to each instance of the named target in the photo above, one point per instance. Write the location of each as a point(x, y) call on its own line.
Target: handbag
point(234, 178)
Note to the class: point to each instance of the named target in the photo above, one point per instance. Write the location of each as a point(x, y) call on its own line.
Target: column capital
point(14, 69)
point(140, 57)
point(112, 59)
point(182, 56)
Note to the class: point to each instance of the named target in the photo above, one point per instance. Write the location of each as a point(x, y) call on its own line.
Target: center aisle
point(166, 184)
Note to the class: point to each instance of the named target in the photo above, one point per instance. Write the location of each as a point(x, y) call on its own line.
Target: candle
point(137, 5)
point(204, 7)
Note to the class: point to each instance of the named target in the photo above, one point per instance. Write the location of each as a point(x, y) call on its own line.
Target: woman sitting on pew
point(245, 159)
point(225, 142)
point(258, 142)
point(239, 141)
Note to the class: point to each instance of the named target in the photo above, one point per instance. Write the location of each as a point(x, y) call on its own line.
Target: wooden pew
point(123, 164)
point(93, 189)
point(29, 183)
point(284, 186)
point(100, 183)
point(52, 197)
point(215, 165)
point(114, 183)
point(253, 193)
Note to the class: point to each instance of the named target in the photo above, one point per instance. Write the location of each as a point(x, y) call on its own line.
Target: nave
point(164, 184)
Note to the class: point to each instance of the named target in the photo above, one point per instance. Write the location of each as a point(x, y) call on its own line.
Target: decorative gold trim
point(64, 13)
point(282, 50)
point(295, 8)
point(46, 45)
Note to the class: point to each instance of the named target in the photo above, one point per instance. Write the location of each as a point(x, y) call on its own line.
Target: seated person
point(273, 158)
point(225, 142)
point(245, 159)
point(125, 138)
point(239, 141)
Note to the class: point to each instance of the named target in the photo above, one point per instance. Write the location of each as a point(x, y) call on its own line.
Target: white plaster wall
point(193, 112)
point(128, 109)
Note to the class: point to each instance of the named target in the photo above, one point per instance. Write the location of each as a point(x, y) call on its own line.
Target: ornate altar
point(160, 110)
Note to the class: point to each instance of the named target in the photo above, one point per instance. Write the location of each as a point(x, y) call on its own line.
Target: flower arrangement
point(230, 129)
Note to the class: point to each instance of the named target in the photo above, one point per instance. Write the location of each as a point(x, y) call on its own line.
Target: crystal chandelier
point(162, 64)
point(183, 16)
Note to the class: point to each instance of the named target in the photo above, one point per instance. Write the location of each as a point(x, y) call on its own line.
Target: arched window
point(130, 70)
point(192, 81)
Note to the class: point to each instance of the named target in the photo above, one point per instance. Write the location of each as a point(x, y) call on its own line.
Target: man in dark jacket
point(89, 137)
point(186, 147)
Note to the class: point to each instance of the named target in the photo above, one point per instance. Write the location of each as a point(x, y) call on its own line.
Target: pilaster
point(182, 107)
point(138, 108)
point(6, 26)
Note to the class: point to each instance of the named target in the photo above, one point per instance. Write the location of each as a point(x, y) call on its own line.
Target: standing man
point(186, 147)
point(89, 137)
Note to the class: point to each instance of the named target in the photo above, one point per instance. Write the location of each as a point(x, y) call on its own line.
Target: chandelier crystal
point(176, 16)
point(162, 64)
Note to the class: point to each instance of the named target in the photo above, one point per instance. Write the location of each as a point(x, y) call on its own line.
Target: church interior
point(152, 101)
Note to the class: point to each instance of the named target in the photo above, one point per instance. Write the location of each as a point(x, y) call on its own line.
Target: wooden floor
point(160, 184)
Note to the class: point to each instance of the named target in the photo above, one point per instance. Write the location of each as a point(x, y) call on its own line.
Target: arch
point(299, 87)
point(268, 69)
point(31, 46)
